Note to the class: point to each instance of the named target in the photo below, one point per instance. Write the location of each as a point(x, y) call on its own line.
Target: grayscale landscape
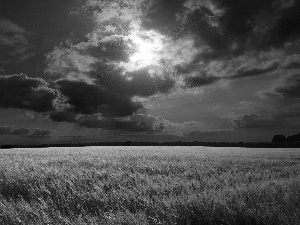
point(150, 112)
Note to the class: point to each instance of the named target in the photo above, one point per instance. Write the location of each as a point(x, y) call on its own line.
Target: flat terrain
point(150, 185)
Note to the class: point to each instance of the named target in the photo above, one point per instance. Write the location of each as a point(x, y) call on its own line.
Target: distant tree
point(6, 146)
point(279, 138)
point(127, 143)
point(294, 138)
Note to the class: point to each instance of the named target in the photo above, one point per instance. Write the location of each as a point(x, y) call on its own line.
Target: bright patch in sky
point(148, 46)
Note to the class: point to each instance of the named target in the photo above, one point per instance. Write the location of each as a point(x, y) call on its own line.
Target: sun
point(147, 46)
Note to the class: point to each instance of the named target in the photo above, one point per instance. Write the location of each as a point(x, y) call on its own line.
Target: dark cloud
point(109, 104)
point(200, 24)
point(14, 131)
point(206, 33)
point(256, 121)
point(108, 51)
point(45, 24)
point(241, 26)
point(292, 62)
point(50, 19)
point(261, 24)
point(23, 92)
point(203, 134)
point(161, 15)
point(20, 131)
point(292, 65)
point(247, 121)
point(13, 43)
point(144, 84)
point(200, 81)
point(88, 53)
point(112, 92)
point(207, 11)
point(288, 112)
point(6, 130)
point(255, 71)
point(61, 116)
point(135, 123)
point(238, 14)
point(36, 136)
point(40, 132)
point(287, 87)
point(90, 98)
point(87, 59)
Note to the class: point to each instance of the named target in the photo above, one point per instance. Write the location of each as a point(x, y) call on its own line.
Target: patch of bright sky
point(148, 47)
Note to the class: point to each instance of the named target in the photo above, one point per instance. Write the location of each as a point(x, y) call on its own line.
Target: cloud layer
point(23, 92)
point(286, 87)
point(14, 45)
point(25, 132)
point(100, 64)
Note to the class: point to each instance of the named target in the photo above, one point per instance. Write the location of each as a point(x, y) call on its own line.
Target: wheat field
point(150, 185)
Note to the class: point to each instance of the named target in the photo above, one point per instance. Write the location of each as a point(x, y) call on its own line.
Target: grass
point(150, 185)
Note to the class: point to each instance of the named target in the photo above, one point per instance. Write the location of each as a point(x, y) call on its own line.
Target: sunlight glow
point(148, 47)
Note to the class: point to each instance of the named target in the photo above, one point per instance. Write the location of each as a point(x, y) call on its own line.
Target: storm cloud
point(200, 80)
point(238, 26)
point(260, 24)
point(23, 92)
point(135, 123)
point(40, 132)
point(292, 62)
point(286, 87)
point(6, 130)
point(14, 45)
point(20, 131)
point(100, 64)
point(11, 130)
point(90, 98)
point(257, 121)
point(255, 71)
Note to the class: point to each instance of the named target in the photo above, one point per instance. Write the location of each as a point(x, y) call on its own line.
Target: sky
point(77, 71)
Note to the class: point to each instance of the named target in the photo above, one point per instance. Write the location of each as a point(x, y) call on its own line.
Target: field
point(150, 185)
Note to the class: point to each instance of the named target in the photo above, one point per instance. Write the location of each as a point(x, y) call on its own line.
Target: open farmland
point(150, 185)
